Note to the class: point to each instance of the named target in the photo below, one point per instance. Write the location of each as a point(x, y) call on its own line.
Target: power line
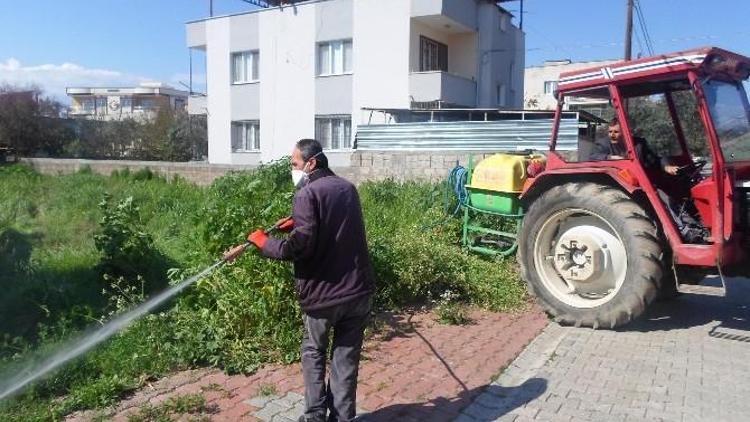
point(644, 28)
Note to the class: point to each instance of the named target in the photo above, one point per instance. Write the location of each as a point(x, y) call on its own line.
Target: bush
point(126, 249)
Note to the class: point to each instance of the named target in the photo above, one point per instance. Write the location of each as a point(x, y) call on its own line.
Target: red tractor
point(603, 236)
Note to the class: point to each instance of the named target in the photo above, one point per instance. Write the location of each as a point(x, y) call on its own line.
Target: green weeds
point(80, 248)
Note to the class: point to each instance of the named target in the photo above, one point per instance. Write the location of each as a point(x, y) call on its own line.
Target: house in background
point(308, 69)
point(143, 101)
point(540, 87)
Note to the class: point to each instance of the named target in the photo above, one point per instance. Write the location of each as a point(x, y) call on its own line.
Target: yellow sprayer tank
point(497, 180)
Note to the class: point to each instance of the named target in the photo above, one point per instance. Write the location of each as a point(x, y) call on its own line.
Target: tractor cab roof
point(657, 70)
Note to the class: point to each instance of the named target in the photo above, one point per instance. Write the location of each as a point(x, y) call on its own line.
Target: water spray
point(92, 337)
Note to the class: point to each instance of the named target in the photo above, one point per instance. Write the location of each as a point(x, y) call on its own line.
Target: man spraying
point(334, 279)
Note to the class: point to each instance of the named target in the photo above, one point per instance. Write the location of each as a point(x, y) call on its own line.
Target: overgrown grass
point(244, 315)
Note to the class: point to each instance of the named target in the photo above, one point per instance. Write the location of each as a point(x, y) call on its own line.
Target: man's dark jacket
point(328, 244)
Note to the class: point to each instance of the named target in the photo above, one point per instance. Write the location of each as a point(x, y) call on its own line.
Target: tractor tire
point(590, 254)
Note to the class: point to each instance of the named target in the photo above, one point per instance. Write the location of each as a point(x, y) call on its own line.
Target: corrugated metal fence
point(500, 135)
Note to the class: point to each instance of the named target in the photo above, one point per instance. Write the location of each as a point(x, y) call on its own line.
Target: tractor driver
point(615, 149)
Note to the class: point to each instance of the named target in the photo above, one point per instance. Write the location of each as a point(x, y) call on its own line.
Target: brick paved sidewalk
point(413, 369)
point(686, 360)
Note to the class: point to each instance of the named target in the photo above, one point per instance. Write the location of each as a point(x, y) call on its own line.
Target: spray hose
point(457, 185)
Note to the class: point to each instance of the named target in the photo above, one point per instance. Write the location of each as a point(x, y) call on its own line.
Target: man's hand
point(258, 238)
point(234, 253)
point(673, 170)
point(286, 224)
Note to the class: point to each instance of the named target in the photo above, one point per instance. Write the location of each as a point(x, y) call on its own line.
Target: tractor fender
point(611, 176)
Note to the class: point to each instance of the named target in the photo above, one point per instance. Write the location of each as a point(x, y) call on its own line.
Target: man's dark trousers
point(339, 396)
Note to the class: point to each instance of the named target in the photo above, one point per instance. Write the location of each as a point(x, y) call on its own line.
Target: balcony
point(444, 87)
point(450, 16)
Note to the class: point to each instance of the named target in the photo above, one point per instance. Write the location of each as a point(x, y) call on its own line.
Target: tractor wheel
point(590, 254)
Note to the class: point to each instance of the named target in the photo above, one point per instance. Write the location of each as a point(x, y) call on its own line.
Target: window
point(432, 55)
point(245, 67)
point(501, 95)
point(550, 87)
point(246, 136)
point(334, 132)
point(335, 57)
point(143, 104)
point(729, 111)
point(591, 133)
point(88, 105)
point(503, 22)
point(126, 104)
point(101, 105)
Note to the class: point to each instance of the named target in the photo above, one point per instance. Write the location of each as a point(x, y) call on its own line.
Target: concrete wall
point(360, 167)
point(200, 173)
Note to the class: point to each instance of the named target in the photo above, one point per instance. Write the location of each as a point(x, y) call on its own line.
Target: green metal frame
point(469, 227)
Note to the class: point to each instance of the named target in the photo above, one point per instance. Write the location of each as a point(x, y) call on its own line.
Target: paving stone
point(269, 411)
point(260, 401)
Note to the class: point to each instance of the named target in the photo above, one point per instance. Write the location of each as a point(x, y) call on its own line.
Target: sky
point(59, 43)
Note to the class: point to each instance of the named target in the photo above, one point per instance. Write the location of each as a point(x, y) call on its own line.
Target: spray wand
point(237, 250)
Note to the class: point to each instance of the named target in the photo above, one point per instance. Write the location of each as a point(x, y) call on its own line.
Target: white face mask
point(299, 177)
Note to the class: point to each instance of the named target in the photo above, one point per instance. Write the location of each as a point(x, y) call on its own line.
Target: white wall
point(219, 83)
point(381, 31)
point(500, 59)
point(245, 100)
point(287, 86)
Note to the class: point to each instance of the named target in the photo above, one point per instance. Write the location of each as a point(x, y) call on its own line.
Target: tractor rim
point(580, 258)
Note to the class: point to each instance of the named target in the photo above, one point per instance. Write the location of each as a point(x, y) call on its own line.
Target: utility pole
point(210, 7)
point(629, 30)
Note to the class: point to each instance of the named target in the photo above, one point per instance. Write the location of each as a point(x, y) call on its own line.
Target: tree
point(29, 122)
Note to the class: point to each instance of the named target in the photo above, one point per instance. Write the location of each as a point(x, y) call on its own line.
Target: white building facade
point(540, 86)
point(307, 70)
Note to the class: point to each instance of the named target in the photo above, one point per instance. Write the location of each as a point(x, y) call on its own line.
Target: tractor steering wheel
point(692, 172)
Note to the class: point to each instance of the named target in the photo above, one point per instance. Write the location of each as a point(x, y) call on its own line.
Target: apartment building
point(540, 87)
point(308, 69)
point(142, 101)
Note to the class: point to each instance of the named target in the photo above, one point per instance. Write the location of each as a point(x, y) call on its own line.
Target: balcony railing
point(444, 87)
